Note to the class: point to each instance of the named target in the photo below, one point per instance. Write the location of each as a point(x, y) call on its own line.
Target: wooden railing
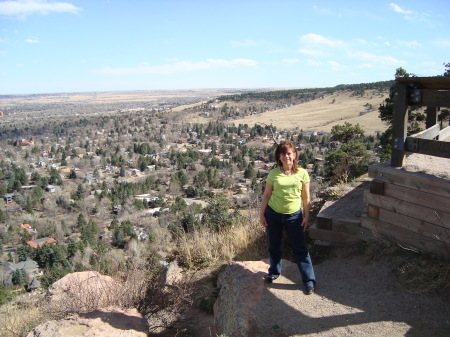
point(431, 92)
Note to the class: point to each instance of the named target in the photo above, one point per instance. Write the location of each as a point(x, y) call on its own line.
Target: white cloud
point(179, 67)
point(441, 43)
point(290, 61)
point(24, 8)
point(361, 41)
point(365, 66)
point(313, 63)
point(32, 40)
point(312, 52)
point(319, 40)
point(387, 43)
point(398, 9)
point(409, 44)
point(249, 43)
point(335, 65)
point(379, 59)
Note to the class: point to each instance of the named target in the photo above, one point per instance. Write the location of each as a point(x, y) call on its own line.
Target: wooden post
point(432, 116)
point(399, 125)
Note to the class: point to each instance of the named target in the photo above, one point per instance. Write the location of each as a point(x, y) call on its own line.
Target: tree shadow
point(351, 295)
point(119, 320)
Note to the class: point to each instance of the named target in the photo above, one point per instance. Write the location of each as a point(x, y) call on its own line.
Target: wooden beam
point(438, 98)
point(417, 226)
point(350, 226)
point(399, 126)
point(437, 82)
point(419, 212)
point(373, 211)
point(413, 196)
point(419, 181)
point(428, 146)
point(332, 236)
point(432, 116)
point(444, 133)
point(430, 133)
point(324, 223)
point(406, 237)
point(377, 187)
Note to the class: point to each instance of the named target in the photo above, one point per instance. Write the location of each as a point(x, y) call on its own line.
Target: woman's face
point(287, 158)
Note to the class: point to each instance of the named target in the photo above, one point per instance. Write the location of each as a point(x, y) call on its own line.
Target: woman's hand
point(262, 221)
point(305, 224)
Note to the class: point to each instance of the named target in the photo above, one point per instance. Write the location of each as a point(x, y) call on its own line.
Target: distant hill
point(320, 114)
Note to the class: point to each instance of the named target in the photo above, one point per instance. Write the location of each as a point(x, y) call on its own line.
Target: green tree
point(2, 216)
point(346, 133)
point(216, 215)
point(178, 205)
point(6, 294)
point(18, 277)
point(72, 174)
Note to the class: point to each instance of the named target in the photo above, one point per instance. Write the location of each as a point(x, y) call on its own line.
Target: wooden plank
point(399, 125)
point(414, 225)
point(432, 116)
point(435, 217)
point(377, 187)
point(441, 82)
point(411, 195)
point(428, 146)
point(350, 226)
point(406, 237)
point(429, 133)
point(444, 133)
point(332, 236)
point(324, 223)
point(416, 180)
point(432, 97)
point(373, 212)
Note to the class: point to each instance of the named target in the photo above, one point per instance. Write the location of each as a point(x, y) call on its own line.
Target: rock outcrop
point(246, 306)
point(99, 323)
point(83, 291)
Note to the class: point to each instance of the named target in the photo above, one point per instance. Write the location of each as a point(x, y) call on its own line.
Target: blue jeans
point(294, 232)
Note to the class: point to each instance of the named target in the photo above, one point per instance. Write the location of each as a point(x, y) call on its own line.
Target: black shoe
point(309, 290)
point(270, 278)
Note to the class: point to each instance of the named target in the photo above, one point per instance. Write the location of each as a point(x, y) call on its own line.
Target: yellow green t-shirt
point(286, 196)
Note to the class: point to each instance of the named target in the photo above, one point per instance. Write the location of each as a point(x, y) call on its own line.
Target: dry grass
point(322, 114)
point(19, 318)
point(418, 272)
point(204, 247)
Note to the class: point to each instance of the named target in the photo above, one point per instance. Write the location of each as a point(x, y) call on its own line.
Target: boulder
point(99, 323)
point(246, 306)
point(83, 291)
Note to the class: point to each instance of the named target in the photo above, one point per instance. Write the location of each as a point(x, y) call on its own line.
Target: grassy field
point(321, 114)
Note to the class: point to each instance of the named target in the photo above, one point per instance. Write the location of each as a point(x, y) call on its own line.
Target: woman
point(286, 193)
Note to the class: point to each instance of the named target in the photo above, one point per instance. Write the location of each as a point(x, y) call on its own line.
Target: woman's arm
point(264, 201)
point(306, 205)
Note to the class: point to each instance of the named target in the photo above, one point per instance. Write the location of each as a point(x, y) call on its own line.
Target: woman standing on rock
point(286, 193)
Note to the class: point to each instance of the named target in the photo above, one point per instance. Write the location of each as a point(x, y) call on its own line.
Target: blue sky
point(50, 46)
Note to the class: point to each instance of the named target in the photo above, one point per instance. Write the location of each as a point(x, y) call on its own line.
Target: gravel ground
point(353, 298)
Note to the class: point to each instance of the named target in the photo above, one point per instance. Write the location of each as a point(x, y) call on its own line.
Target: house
point(50, 188)
point(27, 229)
point(8, 198)
point(29, 267)
point(40, 242)
point(90, 179)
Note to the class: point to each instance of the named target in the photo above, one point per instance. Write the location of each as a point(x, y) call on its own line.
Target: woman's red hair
point(283, 147)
